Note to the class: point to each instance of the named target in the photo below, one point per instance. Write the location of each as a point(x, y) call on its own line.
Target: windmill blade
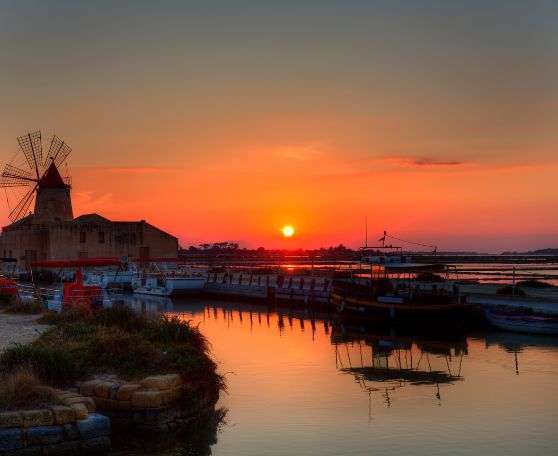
point(12, 176)
point(58, 151)
point(23, 206)
point(32, 147)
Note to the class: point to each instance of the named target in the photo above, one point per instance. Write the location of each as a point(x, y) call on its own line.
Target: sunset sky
point(224, 121)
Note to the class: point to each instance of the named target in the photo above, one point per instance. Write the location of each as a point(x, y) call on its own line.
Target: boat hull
point(172, 286)
point(396, 311)
point(527, 324)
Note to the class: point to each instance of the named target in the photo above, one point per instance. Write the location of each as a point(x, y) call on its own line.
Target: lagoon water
point(300, 384)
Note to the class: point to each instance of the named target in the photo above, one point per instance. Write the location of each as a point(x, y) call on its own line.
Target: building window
point(101, 237)
point(82, 237)
point(133, 239)
point(82, 255)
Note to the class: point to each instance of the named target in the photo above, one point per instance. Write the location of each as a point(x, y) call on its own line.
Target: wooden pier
point(271, 287)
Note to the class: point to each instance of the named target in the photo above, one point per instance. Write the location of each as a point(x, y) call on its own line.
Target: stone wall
point(71, 428)
point(155, 403)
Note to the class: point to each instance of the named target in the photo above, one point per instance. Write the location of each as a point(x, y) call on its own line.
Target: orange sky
point(226, 123)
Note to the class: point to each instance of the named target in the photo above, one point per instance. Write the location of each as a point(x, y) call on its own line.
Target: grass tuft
point(22, 389)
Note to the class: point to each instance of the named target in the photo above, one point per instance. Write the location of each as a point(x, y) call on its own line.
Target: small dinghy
point(520, 321)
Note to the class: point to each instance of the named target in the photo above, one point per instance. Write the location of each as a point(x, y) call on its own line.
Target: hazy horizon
point(225, 122)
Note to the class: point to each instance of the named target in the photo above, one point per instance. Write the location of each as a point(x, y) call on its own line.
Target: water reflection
point(303, 383)
point(383, 362)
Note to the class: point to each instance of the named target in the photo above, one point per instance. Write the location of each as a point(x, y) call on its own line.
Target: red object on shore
point(8, 287)
point(76, 294)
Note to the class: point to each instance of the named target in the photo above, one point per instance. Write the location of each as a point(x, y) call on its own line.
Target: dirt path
point(22, 329)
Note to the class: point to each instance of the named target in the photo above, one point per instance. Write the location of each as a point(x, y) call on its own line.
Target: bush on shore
point(22, 388)
point(116, 341)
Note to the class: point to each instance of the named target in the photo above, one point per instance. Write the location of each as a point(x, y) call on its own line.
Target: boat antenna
point(366, 231)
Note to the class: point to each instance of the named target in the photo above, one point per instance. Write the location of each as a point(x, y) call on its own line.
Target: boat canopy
point(92, 262)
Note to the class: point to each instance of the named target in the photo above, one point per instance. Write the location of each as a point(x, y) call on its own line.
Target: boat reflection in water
point(515, 343)
point(383, 362)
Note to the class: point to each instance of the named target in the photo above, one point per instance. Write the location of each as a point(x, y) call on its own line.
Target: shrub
point(53, 365)
point(113, 350)
point(22, 389)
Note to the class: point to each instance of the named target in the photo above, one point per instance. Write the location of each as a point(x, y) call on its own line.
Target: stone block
point(11, 419)
point(32, 418)
point(125, 391)
point(35, 451)
point(44, 435)
point(88, 402)
point(88, 388)
point(147, 399)
point(63, 414)
point(60, 449)
point(94, 426)
point(80, 410)
point(96, 445)
point(105, 389)
point(161, 382)
point(71, 431)
point(172, 395)
point(112, 404)
point(10, 439)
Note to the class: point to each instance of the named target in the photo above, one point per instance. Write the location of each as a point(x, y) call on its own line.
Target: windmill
point(33, 176)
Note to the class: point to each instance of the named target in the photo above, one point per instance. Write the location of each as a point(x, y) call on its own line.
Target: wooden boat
point(522, 322)
point(379, 301)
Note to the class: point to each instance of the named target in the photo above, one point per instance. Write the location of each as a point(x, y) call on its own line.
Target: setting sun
point(288, 231)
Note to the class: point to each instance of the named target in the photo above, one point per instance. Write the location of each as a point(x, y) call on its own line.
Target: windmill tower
point(37, 178)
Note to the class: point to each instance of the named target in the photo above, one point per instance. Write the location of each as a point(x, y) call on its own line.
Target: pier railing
point(270, 286)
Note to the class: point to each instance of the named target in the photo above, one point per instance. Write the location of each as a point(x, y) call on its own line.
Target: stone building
point(52, 233)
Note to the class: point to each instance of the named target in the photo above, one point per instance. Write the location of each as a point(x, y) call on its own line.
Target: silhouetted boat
point(380, 300)
point(522, 322)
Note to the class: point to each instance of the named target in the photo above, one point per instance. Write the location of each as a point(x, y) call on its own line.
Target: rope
point(407, 241)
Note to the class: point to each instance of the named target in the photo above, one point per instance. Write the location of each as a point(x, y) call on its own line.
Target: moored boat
point(516, 320)
point(373, 303)
point(168, 285)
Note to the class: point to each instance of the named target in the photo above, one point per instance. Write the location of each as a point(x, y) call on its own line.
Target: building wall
point(25, 241)
point(74, 240)
point(112, 239)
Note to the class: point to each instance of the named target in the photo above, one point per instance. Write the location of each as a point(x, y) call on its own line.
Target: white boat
point(522, 322)
point(163, 285)
point(111, 279)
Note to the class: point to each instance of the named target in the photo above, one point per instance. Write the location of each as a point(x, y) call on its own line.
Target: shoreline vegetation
point(82, 344)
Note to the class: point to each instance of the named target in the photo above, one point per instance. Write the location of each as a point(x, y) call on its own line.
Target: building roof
point(52, 178)
point(91, 218)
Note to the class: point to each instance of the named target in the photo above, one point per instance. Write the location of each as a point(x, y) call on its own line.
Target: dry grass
point(22, 389)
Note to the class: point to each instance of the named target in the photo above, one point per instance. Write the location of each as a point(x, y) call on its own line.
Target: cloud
point(409, 160)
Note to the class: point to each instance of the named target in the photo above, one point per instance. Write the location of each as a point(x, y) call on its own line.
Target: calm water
point(305, 386)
